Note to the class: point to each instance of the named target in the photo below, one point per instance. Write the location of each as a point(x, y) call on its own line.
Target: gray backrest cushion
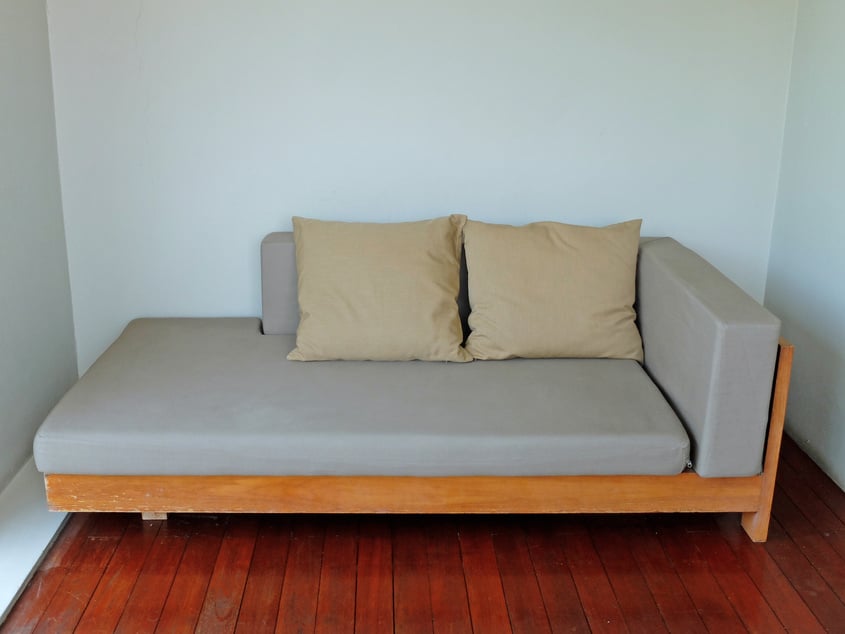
point(712, 349)
point(280, 308)
point(279, 304)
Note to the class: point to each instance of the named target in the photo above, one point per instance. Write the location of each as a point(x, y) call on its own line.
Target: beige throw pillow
point(552, 290)
point(382, 292)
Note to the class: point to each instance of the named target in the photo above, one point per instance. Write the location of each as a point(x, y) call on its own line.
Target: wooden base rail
point(756, 523)
point(154, 496)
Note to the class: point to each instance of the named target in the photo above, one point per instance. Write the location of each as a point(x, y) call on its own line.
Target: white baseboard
point(27, 529)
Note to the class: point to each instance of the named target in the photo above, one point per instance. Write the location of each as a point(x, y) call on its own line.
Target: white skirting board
point(27, 529)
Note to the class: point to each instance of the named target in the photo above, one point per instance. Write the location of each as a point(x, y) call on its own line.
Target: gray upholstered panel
point(213, 396)
point(712, 350)
point(280, 308)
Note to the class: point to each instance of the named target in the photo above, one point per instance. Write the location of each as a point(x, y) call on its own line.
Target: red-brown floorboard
point(737, 585)
point(187, 593)
point(814, 545)
point(771, 581)
point(449, 603)
point(219, 612)
point(803, 493)
point(808, 473)
point(635, 599)
point(144, 606)
point(374, 586)
point(300, 590)
point(820, 515)
point(30, 607)
point(260, 604)
point(519, 580)
point(106, 604)
point(637, 573)
point(675, 605)
point(804, 577)
point(600, 603)
point(487, 608)
point(411, 593)
point(71, 598)
point(336, 601)
point(713, 606)
point(563, 608)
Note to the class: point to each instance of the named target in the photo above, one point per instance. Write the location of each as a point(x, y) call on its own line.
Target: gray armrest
point(711, 349)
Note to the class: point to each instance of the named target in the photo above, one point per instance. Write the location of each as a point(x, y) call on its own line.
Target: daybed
point(207, 415)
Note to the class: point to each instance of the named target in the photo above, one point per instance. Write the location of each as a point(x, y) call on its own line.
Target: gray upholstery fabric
point(712, 350)
point(214, 396)
point(280, 307)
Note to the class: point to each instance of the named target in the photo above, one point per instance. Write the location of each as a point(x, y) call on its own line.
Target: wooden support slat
point(152, 516)
point(756, 523)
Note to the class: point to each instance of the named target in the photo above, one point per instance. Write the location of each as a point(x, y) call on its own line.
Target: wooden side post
point(756, 523)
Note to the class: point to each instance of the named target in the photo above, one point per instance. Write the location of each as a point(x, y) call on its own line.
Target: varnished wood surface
point(686, 492)
point(756, 524)
point(451, 573)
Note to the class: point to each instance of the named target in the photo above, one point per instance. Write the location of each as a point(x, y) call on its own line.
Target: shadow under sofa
point(207, 415)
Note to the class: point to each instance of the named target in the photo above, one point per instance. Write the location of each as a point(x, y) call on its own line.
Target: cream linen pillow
point(552, 290)
point(381, 292)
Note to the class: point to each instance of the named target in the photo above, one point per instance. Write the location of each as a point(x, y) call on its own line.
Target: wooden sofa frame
point(155, 496)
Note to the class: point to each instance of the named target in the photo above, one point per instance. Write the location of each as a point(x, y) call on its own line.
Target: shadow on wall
point(816, 407)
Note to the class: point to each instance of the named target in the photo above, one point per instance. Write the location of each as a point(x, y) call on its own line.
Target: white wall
point(805, 285)
point(187, 130)
point(37, 354)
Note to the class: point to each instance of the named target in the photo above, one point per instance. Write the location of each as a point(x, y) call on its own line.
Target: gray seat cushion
point(216, 397)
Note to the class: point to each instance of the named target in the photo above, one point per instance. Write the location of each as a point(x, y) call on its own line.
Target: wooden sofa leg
point(756, 523)
point(150, 515)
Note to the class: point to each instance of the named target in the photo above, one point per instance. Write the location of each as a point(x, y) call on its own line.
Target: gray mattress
point(216, 397)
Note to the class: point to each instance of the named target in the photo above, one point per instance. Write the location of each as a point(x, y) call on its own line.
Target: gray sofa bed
point(208, 415)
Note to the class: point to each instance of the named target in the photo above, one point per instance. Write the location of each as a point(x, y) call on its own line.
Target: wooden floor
point(676, 573)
